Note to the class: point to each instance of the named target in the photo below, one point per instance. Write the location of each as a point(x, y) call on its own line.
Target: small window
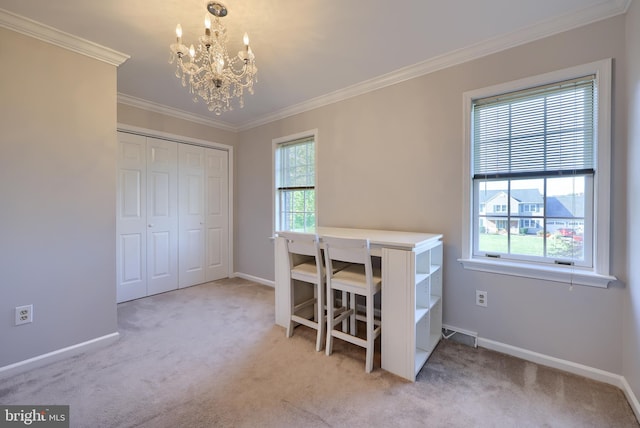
point(295, 177)
point(538, 154)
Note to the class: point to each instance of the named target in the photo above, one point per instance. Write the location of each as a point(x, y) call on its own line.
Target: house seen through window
point(295, 184)
point(553, 227)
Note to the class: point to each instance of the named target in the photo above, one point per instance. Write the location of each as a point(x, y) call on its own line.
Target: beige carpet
point(210, 356)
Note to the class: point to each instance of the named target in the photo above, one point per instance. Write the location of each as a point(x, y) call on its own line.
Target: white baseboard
point(60, 354)
point(255, 279)
point(567, 366)
point(631, 398)
point(556, 363)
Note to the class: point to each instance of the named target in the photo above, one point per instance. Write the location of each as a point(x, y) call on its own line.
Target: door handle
point(150, 225)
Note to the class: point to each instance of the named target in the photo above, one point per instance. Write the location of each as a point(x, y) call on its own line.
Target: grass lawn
point(531, 245)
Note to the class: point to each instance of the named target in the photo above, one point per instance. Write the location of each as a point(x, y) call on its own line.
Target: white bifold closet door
point(162, 216)
point(217, 214)
point(203, 213)
point(147, 217)
point(192, 214)
point(131, 217)
point(172, 216)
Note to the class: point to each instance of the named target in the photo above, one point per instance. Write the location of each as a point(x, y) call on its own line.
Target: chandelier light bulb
point(245, 39)
point(192, 52)
point(207, 22)
point(179, 32)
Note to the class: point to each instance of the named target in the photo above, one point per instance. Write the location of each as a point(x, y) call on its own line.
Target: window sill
point(569, 275)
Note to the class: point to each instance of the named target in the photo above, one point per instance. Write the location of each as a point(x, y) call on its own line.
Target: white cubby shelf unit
point(428, 304)
point(417, 330)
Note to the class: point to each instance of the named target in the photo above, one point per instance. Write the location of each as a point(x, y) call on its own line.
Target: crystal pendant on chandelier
point(208, 70)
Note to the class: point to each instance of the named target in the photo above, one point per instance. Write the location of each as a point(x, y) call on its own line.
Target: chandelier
point(208, 69)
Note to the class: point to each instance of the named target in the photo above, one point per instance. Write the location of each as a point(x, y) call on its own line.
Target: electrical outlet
point(481, 298)
point(24, 314)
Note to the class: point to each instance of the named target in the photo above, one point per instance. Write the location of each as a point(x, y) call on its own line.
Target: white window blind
point(544, 131)
point(295, 184)
point(297, 165)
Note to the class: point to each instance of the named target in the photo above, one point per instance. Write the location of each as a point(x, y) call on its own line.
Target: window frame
point(276, 143)
point(599, 274)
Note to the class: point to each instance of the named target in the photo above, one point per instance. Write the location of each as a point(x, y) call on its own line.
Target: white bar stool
point(358, 279)
point(305, 264)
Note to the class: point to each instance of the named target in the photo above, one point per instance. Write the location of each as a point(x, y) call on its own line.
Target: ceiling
point(308, 52)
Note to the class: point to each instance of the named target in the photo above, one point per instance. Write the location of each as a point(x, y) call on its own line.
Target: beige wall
point(140, 118)
point(392, 159)
point(57, 187)
point(631, 337)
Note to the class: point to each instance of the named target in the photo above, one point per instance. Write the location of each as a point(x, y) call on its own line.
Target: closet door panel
point(191, 182)
point(131, 246)
point(162, 215)
point(214, 249)
point(217, 219)
point(193, 255)
point(132, 269)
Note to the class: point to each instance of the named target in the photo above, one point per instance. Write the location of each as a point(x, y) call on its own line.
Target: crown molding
point(529, 34)
point(547, 28)
point(173, 112)
point(59, 38)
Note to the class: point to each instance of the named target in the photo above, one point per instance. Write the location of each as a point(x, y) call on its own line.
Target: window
point(295, 176)
point(530, 224)
point(538, 152)
point(529, 208)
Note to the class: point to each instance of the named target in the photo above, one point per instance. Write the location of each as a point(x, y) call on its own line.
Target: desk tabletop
point(383, 238)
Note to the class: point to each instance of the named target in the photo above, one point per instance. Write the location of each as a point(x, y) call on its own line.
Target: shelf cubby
point(427, 300)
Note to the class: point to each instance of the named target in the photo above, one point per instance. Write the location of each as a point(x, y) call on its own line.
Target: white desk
point(411, 301)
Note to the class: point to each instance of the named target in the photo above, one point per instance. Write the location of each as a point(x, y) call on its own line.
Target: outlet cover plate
point(24, 314)
point(481, 298)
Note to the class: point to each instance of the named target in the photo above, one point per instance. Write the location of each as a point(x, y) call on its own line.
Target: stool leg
point(353, 329)
point(345, 304)
point(370, 339)
point(320, 317)
point(330, 303)
point(291, 309)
